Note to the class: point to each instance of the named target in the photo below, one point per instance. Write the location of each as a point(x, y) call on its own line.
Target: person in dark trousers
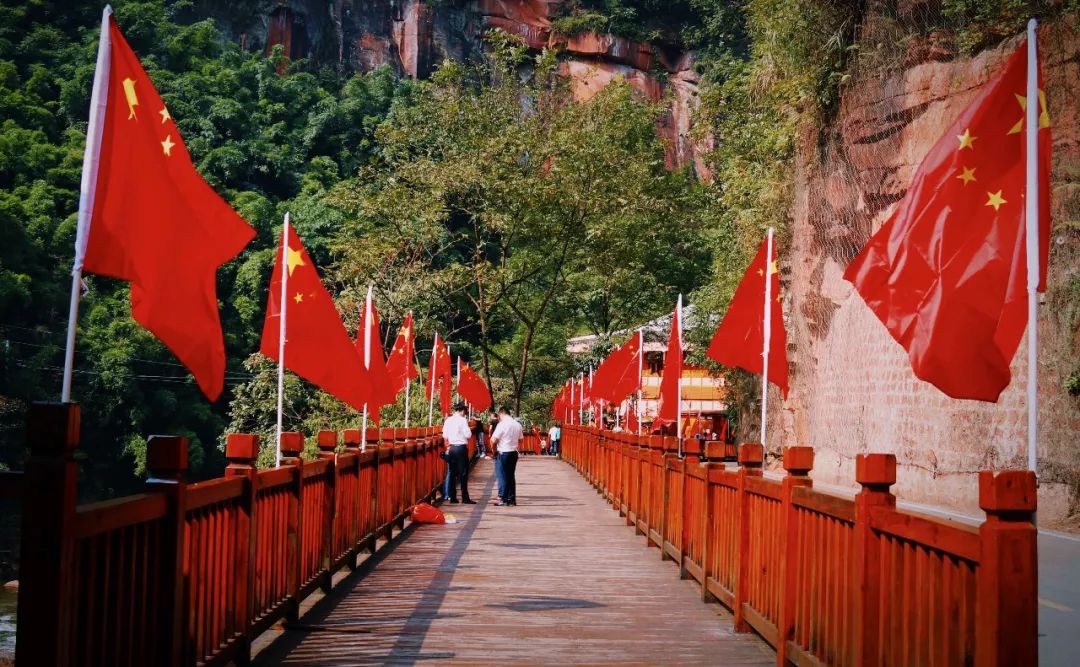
point(456, 434)
point(554, 437)
point(505, 438)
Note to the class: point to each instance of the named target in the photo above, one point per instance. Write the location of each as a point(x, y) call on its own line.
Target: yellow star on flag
point(164, 114)
point(168, 144)
point(299, 298)
point(293, 259)
point(966, 140)
point(1044, 115)
point(132, 100)
point(968, 175)
point(995, 199)
point(773, 268)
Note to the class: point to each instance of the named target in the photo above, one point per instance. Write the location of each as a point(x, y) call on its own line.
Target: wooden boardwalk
point(559, 579)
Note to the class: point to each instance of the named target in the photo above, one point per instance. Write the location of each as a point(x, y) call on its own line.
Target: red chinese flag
point(317, 347)
point(946, 273)
point(740, 338)
point(155, 222)
point(619, 376)
point(400, 367)
point(667, 411)
point(382, 388)
point(472, 387)
point(441, 371)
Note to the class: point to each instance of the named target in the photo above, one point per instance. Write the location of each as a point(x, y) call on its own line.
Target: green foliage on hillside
point(267, 143)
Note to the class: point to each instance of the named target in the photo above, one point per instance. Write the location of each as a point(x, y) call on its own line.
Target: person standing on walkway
point(505, 438)
point(478, 432)
point(554, 435)
point(456, 433)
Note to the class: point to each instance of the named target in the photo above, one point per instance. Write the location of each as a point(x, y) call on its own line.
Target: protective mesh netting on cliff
point(908, 77)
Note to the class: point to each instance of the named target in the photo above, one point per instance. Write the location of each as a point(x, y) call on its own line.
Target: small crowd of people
point(503, 436)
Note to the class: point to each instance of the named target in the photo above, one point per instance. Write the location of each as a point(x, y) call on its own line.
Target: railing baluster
point(875, 473)
point(241, 451)
point(46, 617)
point(798, 461)
point(750, 459)
point(166, 462)
point(1008, 571)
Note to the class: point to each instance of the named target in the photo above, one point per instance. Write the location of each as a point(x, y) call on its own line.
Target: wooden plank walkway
point(559, 579)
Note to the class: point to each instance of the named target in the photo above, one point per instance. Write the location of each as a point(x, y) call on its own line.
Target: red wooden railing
point(829, 580)
point(191, 573)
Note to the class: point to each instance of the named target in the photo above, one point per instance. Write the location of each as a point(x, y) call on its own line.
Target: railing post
point(1006, 613)
point(292, 444)
point(46, 561)
point(327, 441)
point(708, 533)
point(241, 450)
point(750, 456)
point(671, 455)
point(350, 437)
point(875, 473)
point(166, 462)
point(692, 451)
point(798, 462)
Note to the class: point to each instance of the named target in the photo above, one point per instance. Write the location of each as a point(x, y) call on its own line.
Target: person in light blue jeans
point(554, 438)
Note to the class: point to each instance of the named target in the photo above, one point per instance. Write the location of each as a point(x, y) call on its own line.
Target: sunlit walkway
point(559, 579)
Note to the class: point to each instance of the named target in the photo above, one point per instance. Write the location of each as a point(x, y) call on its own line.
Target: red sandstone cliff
point(413, 37)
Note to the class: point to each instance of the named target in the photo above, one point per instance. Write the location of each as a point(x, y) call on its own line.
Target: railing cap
point(292, 443)
point(166, 456)
point(53, 427)
point(242, 448)
point(327, 440)
point(1007, 491)
point(799, 460)
point(351, 437)
point(751, 454)
point(875, 469)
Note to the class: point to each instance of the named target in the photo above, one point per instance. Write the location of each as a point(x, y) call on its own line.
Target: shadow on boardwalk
point(559, 579)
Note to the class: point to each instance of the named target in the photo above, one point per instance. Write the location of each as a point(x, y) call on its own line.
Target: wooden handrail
point(189, 574)
point(830, 580)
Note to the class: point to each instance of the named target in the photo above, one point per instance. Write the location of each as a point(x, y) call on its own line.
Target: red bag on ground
point(424, 513)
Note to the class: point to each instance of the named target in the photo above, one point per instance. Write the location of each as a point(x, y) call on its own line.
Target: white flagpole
point(367, 361)
point(678, 382)
point(87, 190)
point(571, 410)
point(581, 400)
point(767, 334)
point(457, 390)
point(281, 335)
point(592, 405)
point(1031, 215)
point(431, 382)
point(640, 376)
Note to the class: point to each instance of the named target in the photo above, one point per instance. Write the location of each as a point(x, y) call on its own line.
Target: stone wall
point(852, 386)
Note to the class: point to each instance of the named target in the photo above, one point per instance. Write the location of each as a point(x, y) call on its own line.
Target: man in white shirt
point(456, 434)
point(554, 437)
point(506, 437)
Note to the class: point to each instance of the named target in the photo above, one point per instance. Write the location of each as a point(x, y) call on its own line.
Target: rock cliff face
point(413, 37)
point(852, 386)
